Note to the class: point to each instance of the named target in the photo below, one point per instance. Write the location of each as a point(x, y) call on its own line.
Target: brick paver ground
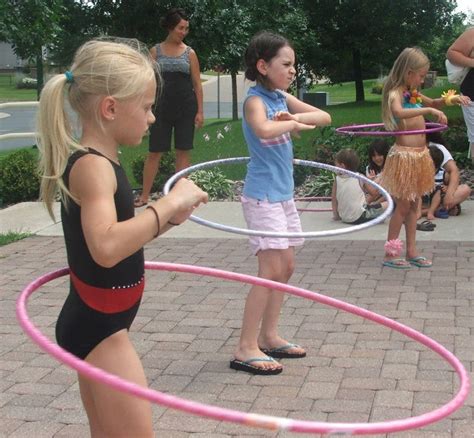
point(187, 327)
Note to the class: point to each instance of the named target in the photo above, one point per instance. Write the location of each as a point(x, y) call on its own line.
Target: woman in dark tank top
point(180, 106)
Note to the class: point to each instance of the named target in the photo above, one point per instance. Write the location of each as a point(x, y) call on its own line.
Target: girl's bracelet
point(157, 219)
point(448, 97)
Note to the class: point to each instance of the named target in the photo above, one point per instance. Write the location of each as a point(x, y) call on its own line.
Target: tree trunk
point(360, 97)
point(39, 73)
point(235, 113)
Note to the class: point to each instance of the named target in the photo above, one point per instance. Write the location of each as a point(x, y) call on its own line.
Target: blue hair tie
point(69, 77)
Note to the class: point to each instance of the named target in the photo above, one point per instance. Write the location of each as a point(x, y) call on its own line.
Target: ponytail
point(55, 141)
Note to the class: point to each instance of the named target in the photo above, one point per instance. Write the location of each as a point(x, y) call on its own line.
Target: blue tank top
point(270, 170)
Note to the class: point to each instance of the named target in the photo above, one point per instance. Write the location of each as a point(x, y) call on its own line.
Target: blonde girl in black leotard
point(112, 88)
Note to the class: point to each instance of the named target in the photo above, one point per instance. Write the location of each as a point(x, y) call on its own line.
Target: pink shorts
point(280, 217)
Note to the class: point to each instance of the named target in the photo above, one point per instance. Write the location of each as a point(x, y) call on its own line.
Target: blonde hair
point(410, 59)
point(100, 68)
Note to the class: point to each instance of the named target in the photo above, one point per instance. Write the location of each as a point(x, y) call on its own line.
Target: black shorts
point(179, 120)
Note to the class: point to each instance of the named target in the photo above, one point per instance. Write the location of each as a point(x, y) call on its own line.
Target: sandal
point(397, 264)
point(139, 203)
point(455, 211)
point(420, 262)
point(425, 226)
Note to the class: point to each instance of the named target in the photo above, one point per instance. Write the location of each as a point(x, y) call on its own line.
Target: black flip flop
point(283, 353)
point(246, 365)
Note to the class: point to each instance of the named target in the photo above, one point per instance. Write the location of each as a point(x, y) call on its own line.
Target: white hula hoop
point(310, 234)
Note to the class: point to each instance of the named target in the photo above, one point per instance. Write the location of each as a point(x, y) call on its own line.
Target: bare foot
point(430, 216)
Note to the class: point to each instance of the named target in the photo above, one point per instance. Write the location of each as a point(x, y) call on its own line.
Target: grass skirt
point(408, 172)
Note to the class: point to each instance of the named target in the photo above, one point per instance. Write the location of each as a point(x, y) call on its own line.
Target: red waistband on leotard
point(113, 300)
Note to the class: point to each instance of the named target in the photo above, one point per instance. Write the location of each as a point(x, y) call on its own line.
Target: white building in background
point(8, 59)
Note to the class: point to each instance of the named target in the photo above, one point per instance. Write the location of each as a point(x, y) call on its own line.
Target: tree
point(292, 22)
point(30, 26)
point(221, 37)
point(359, 36)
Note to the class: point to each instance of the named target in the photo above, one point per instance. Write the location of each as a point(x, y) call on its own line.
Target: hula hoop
point(311, 234)
point(359, 130)
point(249, 419)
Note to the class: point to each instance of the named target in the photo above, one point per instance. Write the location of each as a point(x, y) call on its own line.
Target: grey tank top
point(173, 64)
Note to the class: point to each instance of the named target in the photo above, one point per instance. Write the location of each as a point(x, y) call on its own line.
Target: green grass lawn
point(9, 93)
point(233, 144)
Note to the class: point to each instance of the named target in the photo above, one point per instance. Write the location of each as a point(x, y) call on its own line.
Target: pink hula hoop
point(249, 419)
point(360, 130)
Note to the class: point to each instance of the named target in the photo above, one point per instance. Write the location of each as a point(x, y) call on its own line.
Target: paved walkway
point(188, 326)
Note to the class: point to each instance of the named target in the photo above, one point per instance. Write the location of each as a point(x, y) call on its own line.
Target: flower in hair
point(393, 247)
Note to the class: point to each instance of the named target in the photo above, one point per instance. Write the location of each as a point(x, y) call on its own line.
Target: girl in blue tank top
point(271, 115)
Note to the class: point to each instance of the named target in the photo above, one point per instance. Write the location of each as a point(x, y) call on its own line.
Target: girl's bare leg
point(410, 229)
point(273, 264)
point(150, 169)
point(110, 412)
point(395, 225)
point(268, 337)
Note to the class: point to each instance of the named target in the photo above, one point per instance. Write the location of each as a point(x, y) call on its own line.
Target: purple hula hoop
point(249, 419)
point(360, 130)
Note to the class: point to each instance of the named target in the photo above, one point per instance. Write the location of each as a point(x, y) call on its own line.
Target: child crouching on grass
point(349, 202)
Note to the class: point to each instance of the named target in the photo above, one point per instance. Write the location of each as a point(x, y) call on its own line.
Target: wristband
point(448, 97)
point(157, 219)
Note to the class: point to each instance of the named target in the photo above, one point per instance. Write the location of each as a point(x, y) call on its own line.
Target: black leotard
point(101, 301)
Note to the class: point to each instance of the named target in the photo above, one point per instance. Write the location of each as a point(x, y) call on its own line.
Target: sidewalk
point(188, 326)
point(33, 217)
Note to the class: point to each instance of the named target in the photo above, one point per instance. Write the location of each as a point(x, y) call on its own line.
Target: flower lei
point(412, 96)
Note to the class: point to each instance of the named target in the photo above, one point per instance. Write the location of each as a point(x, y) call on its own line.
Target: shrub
point(320, 185)
point(300, 173)
point(213, 182)
point(19, 179)
point(455, 137)
point(166, 170)
point(377, 88)
point(27, 83)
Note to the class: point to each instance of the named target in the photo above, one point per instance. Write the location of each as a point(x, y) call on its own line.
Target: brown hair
point(349, 158)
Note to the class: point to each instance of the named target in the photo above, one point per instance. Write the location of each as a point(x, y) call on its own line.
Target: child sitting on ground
point(432, 202)
point(377, 153)
point(349, 202)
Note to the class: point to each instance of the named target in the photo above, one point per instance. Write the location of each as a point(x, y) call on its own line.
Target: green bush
point(377, 89)
point(166, 170)
point(19, 179)
point(455, 137)
point(214, 182)
point(320, 185)
point(27, 83)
